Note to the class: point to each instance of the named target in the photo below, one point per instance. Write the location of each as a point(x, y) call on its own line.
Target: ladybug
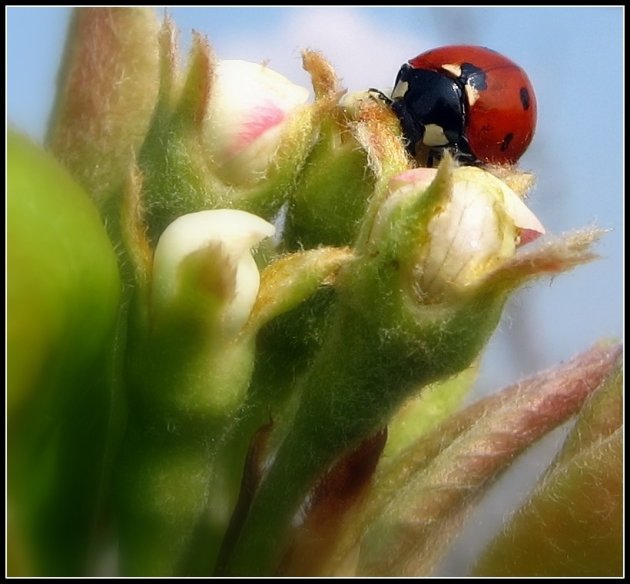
point(470, 100)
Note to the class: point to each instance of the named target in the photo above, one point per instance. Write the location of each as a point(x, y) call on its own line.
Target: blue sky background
point(573, 57)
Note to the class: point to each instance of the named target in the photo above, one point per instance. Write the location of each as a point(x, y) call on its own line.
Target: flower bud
point(248, 112)
point(475, 226)
point(433, 266)
point(223, 238)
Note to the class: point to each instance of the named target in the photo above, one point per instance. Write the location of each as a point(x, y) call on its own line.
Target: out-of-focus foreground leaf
point(417, 502)
point(108, 87)
point(572, 523)
point(63, 291)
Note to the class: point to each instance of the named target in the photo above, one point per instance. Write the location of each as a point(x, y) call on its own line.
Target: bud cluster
point(291, 279)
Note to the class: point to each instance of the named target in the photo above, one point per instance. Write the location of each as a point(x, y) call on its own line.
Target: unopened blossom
point(230, 235)
point(476, 225)
point(250, 107)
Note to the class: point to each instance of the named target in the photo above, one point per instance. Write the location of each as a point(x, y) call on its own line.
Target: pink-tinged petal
point(527, 236)
point(260, 121)
point(416, 177)
point(249, 109)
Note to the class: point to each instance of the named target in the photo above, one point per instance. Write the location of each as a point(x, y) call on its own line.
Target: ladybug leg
point(378, 95)
point(462, 153)
point(431, 157)
point(423, 155)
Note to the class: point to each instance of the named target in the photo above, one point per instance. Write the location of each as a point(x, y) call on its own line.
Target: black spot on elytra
point(524, 95)
point(506, 141)
point(473, 76)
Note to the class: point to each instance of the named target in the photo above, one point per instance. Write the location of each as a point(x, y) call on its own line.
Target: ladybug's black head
point(431, 110)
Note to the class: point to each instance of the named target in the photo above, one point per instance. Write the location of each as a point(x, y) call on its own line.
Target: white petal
point(514, 206)
point(237, 232)
point(466, 237)
point(477, 226)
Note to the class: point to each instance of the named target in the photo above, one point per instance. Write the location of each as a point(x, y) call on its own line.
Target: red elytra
point(499, 104)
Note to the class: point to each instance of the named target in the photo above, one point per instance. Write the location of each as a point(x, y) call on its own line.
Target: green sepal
point(177, 178)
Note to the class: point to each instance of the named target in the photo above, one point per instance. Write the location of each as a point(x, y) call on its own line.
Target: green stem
point(362, 373)
point(183, 394)
point(330, 420)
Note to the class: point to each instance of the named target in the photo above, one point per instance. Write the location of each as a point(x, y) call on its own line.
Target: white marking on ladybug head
point(471, 94)
point(400, 90)
point(455, 70)
point(434, 136)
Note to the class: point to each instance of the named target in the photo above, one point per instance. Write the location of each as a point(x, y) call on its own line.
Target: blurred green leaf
point(63, 291)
